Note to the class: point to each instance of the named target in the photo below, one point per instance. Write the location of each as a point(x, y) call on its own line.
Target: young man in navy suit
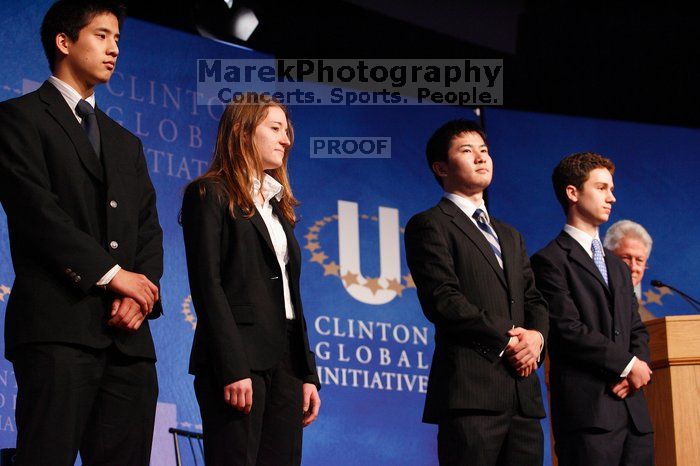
point(87, 253)
point(599, 348)
point(475, 285)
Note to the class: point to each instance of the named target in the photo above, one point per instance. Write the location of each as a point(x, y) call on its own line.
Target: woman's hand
point(312, 403)
point(239, 395)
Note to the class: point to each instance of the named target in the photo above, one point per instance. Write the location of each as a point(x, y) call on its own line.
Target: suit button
point(512, 301)
point(77, 279)
point(114, 245)
point(617, 332)
point(113, 204)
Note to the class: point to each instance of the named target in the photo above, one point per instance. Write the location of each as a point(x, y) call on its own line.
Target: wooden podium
point(674, 393)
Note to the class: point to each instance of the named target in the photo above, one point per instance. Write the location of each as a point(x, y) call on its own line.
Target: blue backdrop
point(372, 342)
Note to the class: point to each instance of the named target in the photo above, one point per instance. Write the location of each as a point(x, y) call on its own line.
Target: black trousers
point(487, 438)
point(622, 446)
point(271, 434)
point(73, 398)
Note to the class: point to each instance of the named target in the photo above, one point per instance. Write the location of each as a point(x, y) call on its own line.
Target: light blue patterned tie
point(597, 249)
point(489, 234)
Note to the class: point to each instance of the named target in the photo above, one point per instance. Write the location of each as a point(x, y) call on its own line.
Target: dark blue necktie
point(89, 124)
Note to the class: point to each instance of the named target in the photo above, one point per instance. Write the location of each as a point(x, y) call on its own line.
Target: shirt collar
point(467, 206)
point(269, 187)
point(71, 96)
point(583, 238)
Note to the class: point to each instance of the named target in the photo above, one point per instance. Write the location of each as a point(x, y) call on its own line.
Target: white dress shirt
point(583, 238)
point(586, 242)
point(72, 97)
point(271, 188)
point(468, 207)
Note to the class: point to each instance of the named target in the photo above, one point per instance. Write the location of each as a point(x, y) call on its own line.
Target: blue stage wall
point(372, 342)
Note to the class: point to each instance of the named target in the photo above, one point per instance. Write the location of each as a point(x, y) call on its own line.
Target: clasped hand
point(136, 296)
point(523, 350)
point(638, 377)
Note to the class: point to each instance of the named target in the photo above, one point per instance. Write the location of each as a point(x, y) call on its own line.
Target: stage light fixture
point(230, 21)
point(244, 23)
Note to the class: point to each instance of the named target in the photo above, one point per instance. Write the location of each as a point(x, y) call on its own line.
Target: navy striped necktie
point(489, 233)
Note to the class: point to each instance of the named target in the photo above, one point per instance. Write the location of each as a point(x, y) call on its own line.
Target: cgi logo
point(346, 266)
point(4, 291)
point(351, 148)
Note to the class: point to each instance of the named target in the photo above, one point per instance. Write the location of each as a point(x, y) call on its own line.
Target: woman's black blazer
point(236, 285)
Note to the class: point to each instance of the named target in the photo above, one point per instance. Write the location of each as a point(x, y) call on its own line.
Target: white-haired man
point(632, 243)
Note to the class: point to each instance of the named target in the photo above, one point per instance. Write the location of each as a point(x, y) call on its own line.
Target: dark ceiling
point(628, 61)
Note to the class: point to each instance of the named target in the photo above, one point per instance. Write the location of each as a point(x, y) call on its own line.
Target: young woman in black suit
point(255, 377)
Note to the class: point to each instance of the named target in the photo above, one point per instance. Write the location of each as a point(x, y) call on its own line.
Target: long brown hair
point(236, 161)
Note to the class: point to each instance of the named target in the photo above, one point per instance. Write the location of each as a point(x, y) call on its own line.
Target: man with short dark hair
point(598, 345)
point(87, 253)
point(475, 285)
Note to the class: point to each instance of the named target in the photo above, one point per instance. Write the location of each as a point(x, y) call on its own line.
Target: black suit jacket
point(473, 304)
point(61, 221)
point(237, 291)
point(594, 332)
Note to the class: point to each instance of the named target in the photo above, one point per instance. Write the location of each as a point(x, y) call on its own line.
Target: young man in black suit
point(598, 344)
point(475, 285)
point(87, 253)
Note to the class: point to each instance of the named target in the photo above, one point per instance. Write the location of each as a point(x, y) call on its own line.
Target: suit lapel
point(59, 110)
point(259, 224)
point(508, 252)
point(110, 151)
point(460, 219)
point(613, 280)
point(292, 245)
point(578, 255)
